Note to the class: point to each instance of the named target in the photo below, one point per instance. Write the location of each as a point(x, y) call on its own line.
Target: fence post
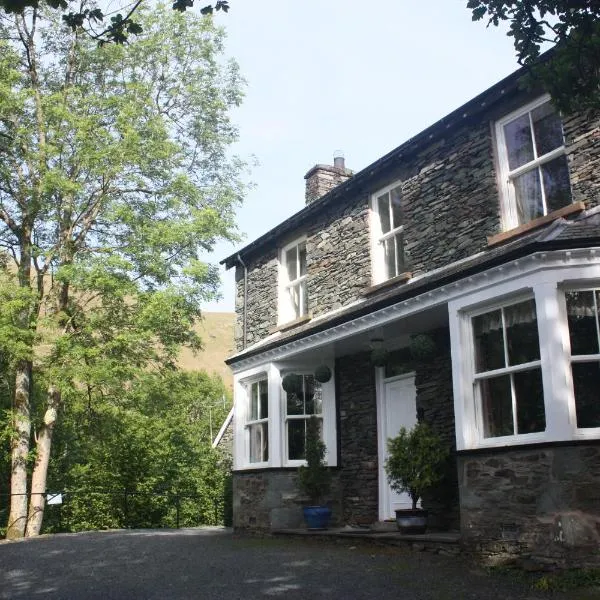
point(177, 507)
point(126, 509)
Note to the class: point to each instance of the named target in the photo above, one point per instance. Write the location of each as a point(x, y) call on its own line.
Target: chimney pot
point(323, 178)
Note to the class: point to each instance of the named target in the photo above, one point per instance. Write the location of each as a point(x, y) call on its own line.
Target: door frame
point(380, 381)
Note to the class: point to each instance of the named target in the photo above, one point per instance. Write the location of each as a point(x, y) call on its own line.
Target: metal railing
point(124, 509)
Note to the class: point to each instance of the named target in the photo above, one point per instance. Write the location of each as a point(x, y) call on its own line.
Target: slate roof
point(578, 232)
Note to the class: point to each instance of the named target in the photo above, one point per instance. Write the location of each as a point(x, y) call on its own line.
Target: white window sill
point(290, 324)
point(509, 441)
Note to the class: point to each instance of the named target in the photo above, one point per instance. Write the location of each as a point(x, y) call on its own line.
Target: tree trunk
point(40, 469)
point(17, 518)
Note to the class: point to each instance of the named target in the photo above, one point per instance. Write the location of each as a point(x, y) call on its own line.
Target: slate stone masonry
point(540, 504)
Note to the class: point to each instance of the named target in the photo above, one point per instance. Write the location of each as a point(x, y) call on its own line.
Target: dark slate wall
point(538, 503)
point(358, 439)
point(270, 499)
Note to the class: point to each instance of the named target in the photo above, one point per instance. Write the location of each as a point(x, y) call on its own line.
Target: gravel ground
point(212, 564)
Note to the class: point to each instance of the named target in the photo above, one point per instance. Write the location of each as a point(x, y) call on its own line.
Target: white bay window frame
point(508, 200)
point(288, 287)
point(547, 286)
point(379, 238)
point(274, 373)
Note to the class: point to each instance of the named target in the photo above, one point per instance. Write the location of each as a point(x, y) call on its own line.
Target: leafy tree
point(89, 18)
point(130, 459)
point(115, 175)
point(571, 71)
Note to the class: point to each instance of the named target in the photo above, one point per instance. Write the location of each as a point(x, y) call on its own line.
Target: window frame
point(248, 425)
point(510, 370)
point(287, 312)
point(285, 418)
point(274, 372)
point(594, 286)
point(378, 259)
point(508, 201)
point(247, 384)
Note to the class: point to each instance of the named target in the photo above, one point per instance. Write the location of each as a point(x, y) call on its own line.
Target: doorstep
point(441, 542)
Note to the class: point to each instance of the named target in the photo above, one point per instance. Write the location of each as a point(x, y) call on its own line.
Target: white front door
point(397, 407)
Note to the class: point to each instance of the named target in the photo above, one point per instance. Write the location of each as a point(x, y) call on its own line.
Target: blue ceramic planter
point(317, 517)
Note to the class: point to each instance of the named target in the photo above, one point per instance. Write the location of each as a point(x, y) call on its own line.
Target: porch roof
point(581, 232)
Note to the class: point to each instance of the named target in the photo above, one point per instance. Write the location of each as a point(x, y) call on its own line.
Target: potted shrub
point(414, 464)
point(314, 479)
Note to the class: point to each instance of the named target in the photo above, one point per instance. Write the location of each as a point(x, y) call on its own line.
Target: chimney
point(323, 178)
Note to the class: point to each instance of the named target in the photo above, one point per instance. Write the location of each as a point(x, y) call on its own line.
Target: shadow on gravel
point(211, 564)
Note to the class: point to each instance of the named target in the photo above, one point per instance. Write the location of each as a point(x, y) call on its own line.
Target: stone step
point(439, 542)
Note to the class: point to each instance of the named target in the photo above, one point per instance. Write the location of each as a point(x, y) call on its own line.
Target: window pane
point(528, 194)
point(295, 299)
point(395, 197)
point(254, 402)
point(309, 393)
point(264, 400)
point(496, 403)
point(295, 403)
point(390, 257)
point(317, 398)
point(531, 415)
point(259, 436)
point(522, 332)
point(586, 381)
point(292, 263)
point(489, 342)
point(383, 206)
point(581, 316)
point(557, 187)
point(518, 142)
point(303, 301)
point(296, 437)
point(547, 129)
point(302, 257)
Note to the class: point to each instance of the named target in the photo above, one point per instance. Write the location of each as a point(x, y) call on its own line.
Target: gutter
point(245, 313)
point(428, 285)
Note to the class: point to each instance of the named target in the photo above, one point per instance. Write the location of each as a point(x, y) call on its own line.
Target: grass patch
point(567, 580)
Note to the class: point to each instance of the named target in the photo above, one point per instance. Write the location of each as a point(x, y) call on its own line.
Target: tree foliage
point(115, 179)
point(129, 459)
point(87, 17)
point(571, 71)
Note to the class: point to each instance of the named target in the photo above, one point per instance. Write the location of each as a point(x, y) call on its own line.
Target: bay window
point(533, 165)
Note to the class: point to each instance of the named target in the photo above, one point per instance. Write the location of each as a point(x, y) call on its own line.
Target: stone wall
point(358, 439)
point(270, 499)
point(435, 402)
point(261, 314)
point(582, 135)
point(538, 503)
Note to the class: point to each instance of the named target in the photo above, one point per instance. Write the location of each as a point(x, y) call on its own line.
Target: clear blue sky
point(362, 77)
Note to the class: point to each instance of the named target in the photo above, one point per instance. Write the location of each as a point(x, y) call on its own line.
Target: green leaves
point(415, 460)
point(571, 72)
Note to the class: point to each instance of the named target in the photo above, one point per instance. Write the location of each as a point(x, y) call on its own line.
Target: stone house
point(478, 240)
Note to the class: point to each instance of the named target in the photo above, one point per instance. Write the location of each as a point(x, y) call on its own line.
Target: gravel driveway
point(208, 564)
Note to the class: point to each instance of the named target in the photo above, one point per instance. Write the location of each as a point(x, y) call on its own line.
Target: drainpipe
point(244, 338)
